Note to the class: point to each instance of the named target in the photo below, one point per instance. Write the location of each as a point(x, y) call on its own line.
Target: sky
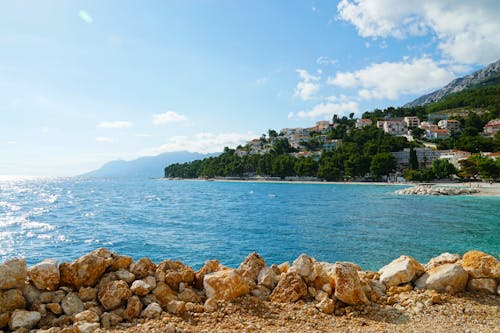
point(86, 82)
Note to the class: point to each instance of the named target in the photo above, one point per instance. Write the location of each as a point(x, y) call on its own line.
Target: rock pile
point(428, 190)
point(103, 289)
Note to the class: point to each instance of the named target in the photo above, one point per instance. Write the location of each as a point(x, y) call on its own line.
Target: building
point(394, 127)
point(425, 157)
point(491, 128)
point(322, 125)
point(428, 126)
point(434, 134)
point(362, 122)
point(412, 121)
point(330, 145)
point(453, 156)
point(451, 125)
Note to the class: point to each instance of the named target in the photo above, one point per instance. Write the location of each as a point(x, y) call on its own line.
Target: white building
point(395, 127)
point(412, 121)
point(451, 125)
point(362, 122)
point(453, 156)
point(425, 157)
point(433, 134)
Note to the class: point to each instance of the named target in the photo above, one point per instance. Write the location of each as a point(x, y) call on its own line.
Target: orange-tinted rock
point(13, 274)
point(86, 270)
point(11, 300)
point(142, 268)
point(225, 285)
point(120, 262)
point(290, 288)
point(251, 266)
point(209, 267)
point(87, 294)
point(481, 265)
point(4, 319)
point(45, 275)
point(164, 294)
point(487, 286)
point(114, 294)
point(133, 309)
point(86, 316)
point(152, 311)
point(173, 273)
point(348, 286)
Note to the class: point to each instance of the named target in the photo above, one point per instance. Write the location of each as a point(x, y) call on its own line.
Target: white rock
point(24, 319)
point(401, 270)
point(448, 277)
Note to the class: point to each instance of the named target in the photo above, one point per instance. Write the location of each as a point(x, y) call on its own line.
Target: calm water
point(194, 221)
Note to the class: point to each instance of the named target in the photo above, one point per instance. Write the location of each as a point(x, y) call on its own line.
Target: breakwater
point(430, 190)
point(103, 289)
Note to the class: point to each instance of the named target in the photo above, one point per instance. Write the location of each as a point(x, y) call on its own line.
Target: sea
point(194, 221)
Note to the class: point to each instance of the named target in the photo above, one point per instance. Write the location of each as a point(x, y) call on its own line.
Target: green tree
point(272, 133)
point(442, 168)
point(488, 168)
point(306, 166)
point(281, 146)
point(283, 166)
point(382, 164)
point(328, 171)
point(413, 160)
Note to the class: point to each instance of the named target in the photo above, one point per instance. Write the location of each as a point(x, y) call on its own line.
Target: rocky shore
point(430, 190)
point(104, 291)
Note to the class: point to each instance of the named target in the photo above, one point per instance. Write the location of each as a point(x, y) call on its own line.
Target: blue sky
point(85, 82)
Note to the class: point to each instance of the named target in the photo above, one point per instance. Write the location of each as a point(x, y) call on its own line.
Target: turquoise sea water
point(194, 221)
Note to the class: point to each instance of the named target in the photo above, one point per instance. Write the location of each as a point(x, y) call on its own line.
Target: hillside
point(145, 167)
point(485, 75)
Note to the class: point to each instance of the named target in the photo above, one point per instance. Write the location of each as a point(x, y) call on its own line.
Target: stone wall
point(102, 289)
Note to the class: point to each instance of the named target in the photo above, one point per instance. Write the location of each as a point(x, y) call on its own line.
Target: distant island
point(451, 133)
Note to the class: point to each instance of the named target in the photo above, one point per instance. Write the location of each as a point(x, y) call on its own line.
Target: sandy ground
point(465, 313)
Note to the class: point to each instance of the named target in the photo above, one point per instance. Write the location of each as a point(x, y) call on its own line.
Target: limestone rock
point(305, 267)
point(269, 276)
point(13, 274)
point(164, 294)
point(11, 300)
point(401, 270)
point(141, 288)
point(251, 266)
point(87, 294)
point(24, 319)
point(189, 295)
point(125, 275)
point(71, 304)
point(443, 258)
point(444, 278)
point(210, 305)
point(109, 319)
point(87, 316)
point(284, 266)
point(86, 270)
point(4, 319)
point(152, 311)
point(47, 297)
point(209, 267)
point(133, 309)
point(176, 307)
point(114, 294)
point(325, 277)
point(31, 293)
point(290, 288)
point(173, 273)
point(120, 262)
point(225, 285)
point(87, 327)
point(348, 287)
point(261, 292)
point(481, 265)
point(55, 308)
point(45, 275)
point(326, 305)
point(488, 286)
point(142, 268)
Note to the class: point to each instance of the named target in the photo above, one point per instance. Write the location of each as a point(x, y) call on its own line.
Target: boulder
point(189, 295)
point(348, 287)
point(290, 288)
point(481, 265)
point(86, 270)
point(109, 319)
point(13, 274)
point(123, 274)
point(120, 262)
point(284, 266)
point(152, 311)
point(87, 327)
point(31, 293)
point(173, 273)
point(142, 268)
point(210, 266)
point(114, 294)
point(4, 319)
point(87, 294)
point(445, 278)
point(325, 277)
point(487, 286)
point(305, 267)
point(133, 309)
point(141, 287)
point(11, 300)
point(86, 316)
point(164, 294)
point(45, 275)
point(55, 308)
point(251, 266)
point(47, 297)
point(71, 304)
point(176, 307)
point(225, 285)
point(401, 270)
point(443, 258)
point(24, 319)
point(269, 276)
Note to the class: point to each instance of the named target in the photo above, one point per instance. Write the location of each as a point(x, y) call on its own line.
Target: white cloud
point(291, 115)
point(467, 31)
point(104, 139)
point(115, 124)
point(392, 79)
point(306, 88)
point(202, 143)
point(168, 117)
point(327, 110)
point(85, 16)
point(11, 142)
point(323, 60)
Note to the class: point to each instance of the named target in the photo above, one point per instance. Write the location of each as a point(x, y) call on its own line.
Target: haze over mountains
point(145, 167)
point(457, 85)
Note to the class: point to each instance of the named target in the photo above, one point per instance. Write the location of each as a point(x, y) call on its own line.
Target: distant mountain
point(146, 167)
point(485, 75)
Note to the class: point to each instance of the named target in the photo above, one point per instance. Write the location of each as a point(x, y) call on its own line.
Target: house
point(412, 121)
point(454, 156)
point(322, 125)
point(330, 145)
point(494, 156)
point(425, 157)
point(428, 126)
point(433, 134)
point(491, 128)
point(363, 122)
point(451, 125)
point(394, 127)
